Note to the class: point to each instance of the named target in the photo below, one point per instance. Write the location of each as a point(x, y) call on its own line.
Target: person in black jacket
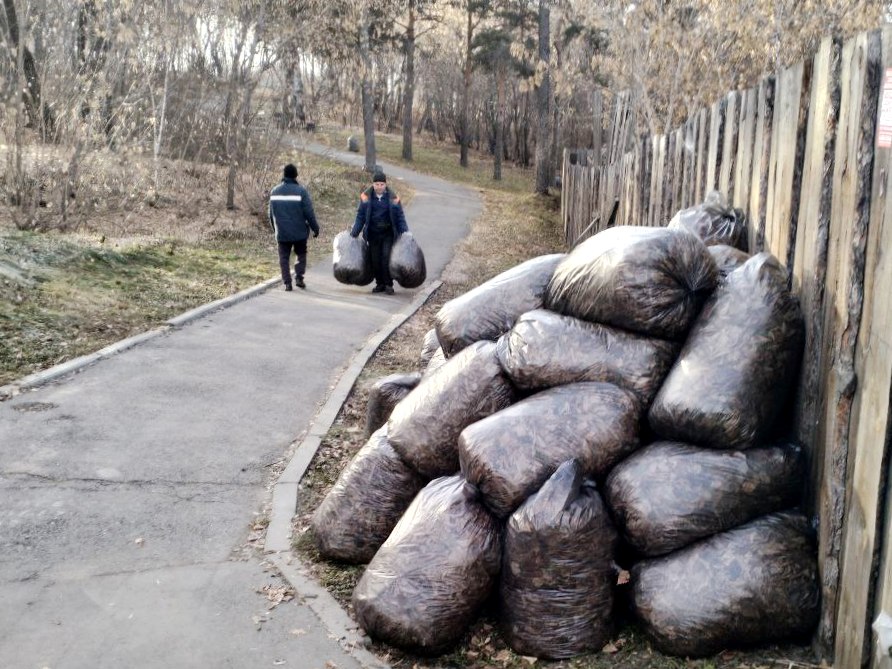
point(381, 220)
point(291, 217)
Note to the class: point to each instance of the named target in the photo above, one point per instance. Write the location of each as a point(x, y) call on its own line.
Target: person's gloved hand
point(354, 236)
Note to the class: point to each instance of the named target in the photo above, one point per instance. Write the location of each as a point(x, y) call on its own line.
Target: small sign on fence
point(884, 127)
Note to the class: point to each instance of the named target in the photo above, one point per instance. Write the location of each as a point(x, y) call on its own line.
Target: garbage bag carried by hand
point(557, 569)
point(352, 264)
point(714, 222)
point(407, 262)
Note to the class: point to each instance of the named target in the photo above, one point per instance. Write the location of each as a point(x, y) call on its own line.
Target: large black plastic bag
point(429, 346)
point(557, 569)
point(384, 394)
point(426, 583)
point(513, 452)
point(648, 280)
point(424, 427)
point(714, 222)
point(727, 258)
point(366, 502)
point(545, 349)
point(351, 262)
point(754, 584)
point(738, 364)
point(407, 262)
point(490, 309)
point(669, 494)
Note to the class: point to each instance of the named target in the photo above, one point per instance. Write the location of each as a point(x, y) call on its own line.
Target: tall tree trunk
point(409, 91)
point(41, 116)
point(543, 98)
point(368, 98)
point(466, 89)
point(500, 123)
point(230, 116)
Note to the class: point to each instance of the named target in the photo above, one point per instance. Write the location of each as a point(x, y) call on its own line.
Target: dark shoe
point(287, 287)
point(388, 290)
point(299, 282)
point(378, 289)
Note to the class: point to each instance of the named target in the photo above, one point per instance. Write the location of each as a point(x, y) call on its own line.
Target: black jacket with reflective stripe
point(291, 212)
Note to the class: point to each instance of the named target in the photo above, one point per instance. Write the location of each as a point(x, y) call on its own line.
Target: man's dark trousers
point(380, 246)
point(300, 250)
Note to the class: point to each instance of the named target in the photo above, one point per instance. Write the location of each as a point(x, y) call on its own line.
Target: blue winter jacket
point(291, 212)
point(364, 214)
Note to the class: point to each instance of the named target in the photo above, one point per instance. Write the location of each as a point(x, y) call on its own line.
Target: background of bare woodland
point(139, 140)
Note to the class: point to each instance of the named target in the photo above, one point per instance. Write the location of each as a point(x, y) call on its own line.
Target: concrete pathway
point(130, 480)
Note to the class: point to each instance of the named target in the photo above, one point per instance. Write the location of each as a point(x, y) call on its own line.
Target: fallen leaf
point(623, 577)
point(298, 632)
point(610, 649)
point(279, 662)
point(139, 541)
point(529, 660)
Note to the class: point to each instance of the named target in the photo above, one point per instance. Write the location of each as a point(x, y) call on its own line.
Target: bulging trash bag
point(351, 261)
point(510, 454)
point(424, 427)
point(366, 502)
point(489, 310)
point(545, 349)
point(438, 359)
point(727, 258)
point(441, 562)
point(648, 280)
point(557, 569)
point(384, 395)
point(407, 262)
point(714, 222)
point(738, 364)
point(669, 494)
point(754, 584)
point(429, 346)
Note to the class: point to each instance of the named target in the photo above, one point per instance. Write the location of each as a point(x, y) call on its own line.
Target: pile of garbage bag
point(616, 407)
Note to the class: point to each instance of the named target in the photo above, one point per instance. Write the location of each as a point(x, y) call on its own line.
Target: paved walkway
point(129, 485)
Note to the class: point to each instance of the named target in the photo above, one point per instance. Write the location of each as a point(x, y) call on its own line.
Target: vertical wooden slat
point(716, 144)
point(702, 155)
point(761, 158)
point(810, 262)
point(597, 125)
point(729, 149)
point(849, 215)
point(744, 162)
point(691, 138)
point(784, 167)
point(873, 369)
point(676, 178)
point(658, 164)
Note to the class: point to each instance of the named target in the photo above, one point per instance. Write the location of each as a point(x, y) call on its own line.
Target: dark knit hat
point(379, 176)
point(290, 171)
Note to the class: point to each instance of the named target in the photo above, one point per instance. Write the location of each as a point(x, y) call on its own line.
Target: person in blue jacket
point(381, 220)
point(291, 217)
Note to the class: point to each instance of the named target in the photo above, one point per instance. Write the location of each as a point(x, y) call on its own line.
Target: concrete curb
point(71, 366)
point(285, 495)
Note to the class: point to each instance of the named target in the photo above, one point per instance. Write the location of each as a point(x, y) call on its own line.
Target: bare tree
point(543, 101)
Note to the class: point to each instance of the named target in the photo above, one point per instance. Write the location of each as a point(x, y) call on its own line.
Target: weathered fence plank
point(873, 369)
point(716, 144)
point(702, 155)
point(761, 159)
point(729, 147)
point(745, 138)
point(810, 262)
point(849, 215)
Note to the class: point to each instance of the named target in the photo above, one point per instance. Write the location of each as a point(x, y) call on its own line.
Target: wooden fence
point(806, 154)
